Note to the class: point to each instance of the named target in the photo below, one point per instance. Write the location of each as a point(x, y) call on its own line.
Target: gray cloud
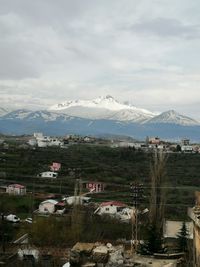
point(166, 27)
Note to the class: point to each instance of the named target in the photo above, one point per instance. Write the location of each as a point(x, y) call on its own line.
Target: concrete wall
point(196, 246)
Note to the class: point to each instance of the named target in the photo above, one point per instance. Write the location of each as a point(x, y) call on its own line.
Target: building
point(187, 149)
point(110, 208)
point(194, 214)
point(117, 210)
point(48, 174)
point(48, 206)
point(185, 142)
point(154, 140)
point(45, 141)
point(16, 189)
point(77, 200)
point(55, 167)
point(95, 187)
point(52, 206)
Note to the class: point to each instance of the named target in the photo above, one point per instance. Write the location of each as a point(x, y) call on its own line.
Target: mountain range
point(100, 116)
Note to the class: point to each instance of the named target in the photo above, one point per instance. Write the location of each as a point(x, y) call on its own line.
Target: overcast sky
point(143, 51)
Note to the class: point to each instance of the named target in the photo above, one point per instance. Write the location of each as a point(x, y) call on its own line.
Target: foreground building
point(194, 214)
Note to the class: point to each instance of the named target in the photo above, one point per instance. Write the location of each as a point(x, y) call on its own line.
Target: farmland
point(117, 167)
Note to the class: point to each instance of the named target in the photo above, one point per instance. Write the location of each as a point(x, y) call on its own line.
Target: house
point(154, 141)
point(45, 141)
point(95, 187)
point(110, 207)
point(117, 210)
point(48, 206)
point(60, 208)
point(55, 167)
point(187, 149)
point(126, 214)
point(77, 200)
point(55, 142)
point(16, 189)
point(185, 142)
point(48, 174)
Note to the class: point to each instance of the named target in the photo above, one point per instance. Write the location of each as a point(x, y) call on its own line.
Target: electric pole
point(137, 197)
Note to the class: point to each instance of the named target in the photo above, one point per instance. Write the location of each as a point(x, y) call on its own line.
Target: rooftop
point(52, 201)
point(113, 203)
point(17, 186)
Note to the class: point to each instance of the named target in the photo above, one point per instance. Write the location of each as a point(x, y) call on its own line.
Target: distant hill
point(101, 116)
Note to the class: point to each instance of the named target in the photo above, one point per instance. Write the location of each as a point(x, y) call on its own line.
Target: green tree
point(183, 238)
point(178, 148)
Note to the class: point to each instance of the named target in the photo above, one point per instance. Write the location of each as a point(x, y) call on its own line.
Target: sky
point(146, 52)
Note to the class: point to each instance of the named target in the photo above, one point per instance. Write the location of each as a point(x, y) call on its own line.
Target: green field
point(116, 167)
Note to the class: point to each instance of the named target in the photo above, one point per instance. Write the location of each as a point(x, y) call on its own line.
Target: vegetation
point(183, 238)
point(117, 167)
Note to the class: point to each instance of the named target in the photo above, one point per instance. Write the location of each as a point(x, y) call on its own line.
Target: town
point(88, 201)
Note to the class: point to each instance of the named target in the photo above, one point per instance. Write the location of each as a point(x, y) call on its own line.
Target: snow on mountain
point(87, 112)
point(3, 111)
point(27, 115)
point(132, 115)
point(17, 114)
point(173, 117)
point(103, 108)
point(107, 102)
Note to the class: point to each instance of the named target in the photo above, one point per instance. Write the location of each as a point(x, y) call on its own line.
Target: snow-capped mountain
point(134, 115)
point(103, 108)
point(4, 111)
point(28, 115)
point(173, 117)
point(107, 102)
point(168, 125)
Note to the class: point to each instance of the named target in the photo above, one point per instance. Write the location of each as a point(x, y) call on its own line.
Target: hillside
point(116, 167)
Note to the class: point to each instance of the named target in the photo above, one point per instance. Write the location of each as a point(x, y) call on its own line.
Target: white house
point(48, 174)
point(77, 200)
point(16, 189)
point(55, 142)
point(45, 141)
point(126, 214)
point(187, 148)
point(110, 207)
point(48, 206)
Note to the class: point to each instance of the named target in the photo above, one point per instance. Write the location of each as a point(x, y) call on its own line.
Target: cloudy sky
point(143, 51)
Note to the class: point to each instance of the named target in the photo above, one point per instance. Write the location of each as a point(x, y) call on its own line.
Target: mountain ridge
point(96, 120)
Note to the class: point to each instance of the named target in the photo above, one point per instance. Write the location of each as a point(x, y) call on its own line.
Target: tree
point(183, 238)
point(178, 148)
point(157, 202)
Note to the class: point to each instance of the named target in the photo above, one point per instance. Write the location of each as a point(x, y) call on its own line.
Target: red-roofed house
point(16, 189)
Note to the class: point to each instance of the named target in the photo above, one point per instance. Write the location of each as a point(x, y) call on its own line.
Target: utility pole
point(3, 233)
point(137, 197)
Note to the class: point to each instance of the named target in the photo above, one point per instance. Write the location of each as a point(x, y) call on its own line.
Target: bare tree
point(158, 193)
